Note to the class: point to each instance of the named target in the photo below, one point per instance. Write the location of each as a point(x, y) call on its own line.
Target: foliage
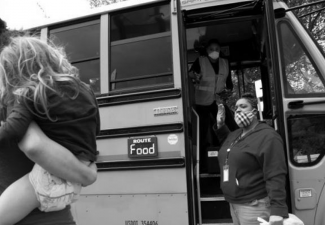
point(6, 34)
point(314, 22)
point(99, 3)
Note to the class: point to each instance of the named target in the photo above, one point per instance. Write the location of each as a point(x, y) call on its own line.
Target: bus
point(136, 56)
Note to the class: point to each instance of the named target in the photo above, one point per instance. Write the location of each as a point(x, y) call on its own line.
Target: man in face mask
point(211, 75)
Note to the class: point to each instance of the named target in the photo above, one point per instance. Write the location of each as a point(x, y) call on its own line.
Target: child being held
point(37, 83)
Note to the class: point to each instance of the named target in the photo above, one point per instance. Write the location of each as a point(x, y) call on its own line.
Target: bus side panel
point(307, 207)
point(153, 181)
point(139, 114)
point(116, 148)
point(151, 209)
point(320, 215)
point(124, 193)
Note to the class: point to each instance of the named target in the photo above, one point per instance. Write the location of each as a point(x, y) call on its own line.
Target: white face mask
point(214, 55)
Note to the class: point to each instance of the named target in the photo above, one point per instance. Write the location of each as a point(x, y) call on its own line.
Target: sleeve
point(229, 83)
point(98, 119)
point(272, 160)
point(196, 66)
point(97, 108)
point(16, 124)
point(222, 133)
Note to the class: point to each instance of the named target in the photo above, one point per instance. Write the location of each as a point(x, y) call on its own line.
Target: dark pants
point(208, 138)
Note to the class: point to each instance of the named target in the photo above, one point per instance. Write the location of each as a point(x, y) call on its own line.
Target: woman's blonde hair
point(31, 68)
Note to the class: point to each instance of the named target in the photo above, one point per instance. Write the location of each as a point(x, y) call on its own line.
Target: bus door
point(302, 115)
point(240, 28)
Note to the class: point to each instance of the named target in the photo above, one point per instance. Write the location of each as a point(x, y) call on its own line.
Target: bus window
point(306, 139)
point(302, 77)
point(83, 52)
point(141, 50)
point(244, 81)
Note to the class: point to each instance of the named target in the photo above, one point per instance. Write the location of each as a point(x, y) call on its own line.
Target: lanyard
point(232, 144)
point(236, 141)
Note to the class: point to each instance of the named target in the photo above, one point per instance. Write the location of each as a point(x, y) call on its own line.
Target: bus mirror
point(279, 13)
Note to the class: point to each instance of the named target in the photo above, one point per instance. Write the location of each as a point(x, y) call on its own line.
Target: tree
point(313, 18)
point(99, 3)
point(6, 34)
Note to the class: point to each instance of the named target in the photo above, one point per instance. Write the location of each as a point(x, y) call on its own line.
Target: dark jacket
point(258, 163)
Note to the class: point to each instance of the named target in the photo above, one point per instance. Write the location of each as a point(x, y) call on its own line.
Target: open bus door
point(243, 28)
point(263, 42)
point(301, 114)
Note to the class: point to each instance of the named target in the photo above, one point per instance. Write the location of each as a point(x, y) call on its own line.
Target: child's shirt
point(76, 124)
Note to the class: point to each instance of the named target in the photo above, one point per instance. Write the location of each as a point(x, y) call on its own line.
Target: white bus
point(136, 55)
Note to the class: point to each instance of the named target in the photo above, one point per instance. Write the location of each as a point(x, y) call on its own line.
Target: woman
point(252, 165)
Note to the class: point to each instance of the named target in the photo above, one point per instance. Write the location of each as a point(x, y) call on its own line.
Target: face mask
point(214, 55)
point(244, 119)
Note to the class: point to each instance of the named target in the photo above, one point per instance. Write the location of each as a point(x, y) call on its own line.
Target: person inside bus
point(211, 75)
point(38, 83)
point(253, 166)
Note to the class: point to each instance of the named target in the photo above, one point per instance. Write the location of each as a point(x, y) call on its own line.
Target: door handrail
point(198, 164)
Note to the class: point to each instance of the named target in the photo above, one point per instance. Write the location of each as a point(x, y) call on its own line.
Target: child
point(38, 83)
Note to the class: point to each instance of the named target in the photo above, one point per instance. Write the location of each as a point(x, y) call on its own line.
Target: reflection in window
point(302, 77)
point(140, 22)
point(306, 139)
point(141, 49)
point(83, 52)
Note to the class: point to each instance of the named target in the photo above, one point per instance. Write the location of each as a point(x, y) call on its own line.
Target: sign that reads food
point(142, 147)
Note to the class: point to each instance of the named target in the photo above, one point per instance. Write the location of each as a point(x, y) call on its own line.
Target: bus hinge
point(175, 7)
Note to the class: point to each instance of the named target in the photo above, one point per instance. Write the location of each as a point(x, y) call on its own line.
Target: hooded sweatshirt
point(257, 167)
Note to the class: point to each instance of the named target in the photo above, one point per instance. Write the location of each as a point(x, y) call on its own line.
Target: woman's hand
point(221, 116)
point(196, 77)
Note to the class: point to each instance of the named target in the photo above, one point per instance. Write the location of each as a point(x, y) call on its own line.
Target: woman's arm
point(220, 128)
point(271, 157)
point(13, 128)
point(55, 158)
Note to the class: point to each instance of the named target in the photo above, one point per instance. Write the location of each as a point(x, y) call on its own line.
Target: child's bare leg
point(17, 201)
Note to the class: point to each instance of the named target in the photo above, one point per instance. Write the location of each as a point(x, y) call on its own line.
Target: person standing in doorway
point(211, 75)
point(253, 166)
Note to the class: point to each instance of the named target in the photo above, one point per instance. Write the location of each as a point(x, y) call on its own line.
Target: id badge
point(225, 173)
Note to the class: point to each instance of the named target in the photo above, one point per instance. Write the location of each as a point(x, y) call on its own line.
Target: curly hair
point(251, 98)
point(30, 68)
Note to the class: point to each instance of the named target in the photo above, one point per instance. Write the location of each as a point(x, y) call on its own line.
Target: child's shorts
point(52, 192)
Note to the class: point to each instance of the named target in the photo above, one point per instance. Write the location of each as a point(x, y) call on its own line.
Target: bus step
point(218, 222)
point(210, 186)
point(212, 198)
point(215, 211)
point(209, 175)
